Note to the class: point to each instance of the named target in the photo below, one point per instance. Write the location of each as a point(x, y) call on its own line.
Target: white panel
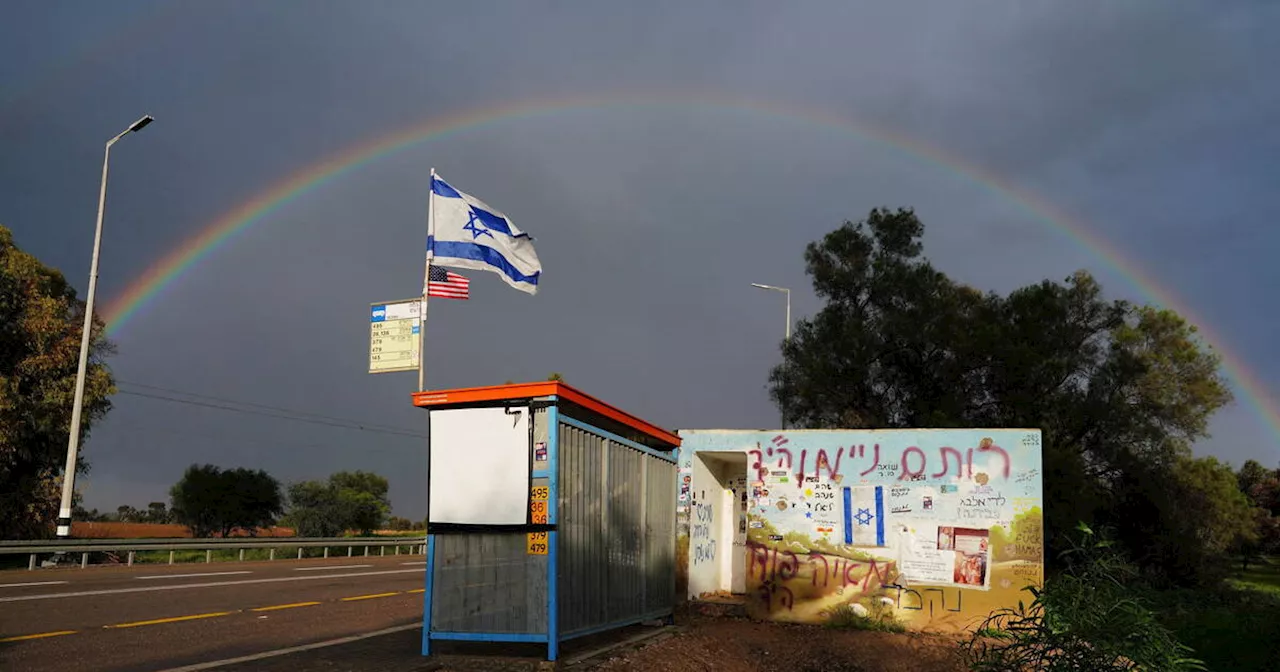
point(480, 466)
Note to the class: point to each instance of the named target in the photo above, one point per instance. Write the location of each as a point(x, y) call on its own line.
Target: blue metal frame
point(426, 595)
point(553, 518)
point(614, 437)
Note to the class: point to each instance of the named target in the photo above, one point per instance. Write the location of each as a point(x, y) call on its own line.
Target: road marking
point(33, 583)
point(417, 590)
point(175, 619)
point(286, 606)
point(39, 636)
point(368, 597)
point(198, 667)
point(210, 584)
point(188, 576)
point(317, 569)
point(414, 563)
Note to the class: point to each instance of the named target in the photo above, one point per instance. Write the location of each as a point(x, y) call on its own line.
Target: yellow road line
point(286, 606)
point(175, 619)
point(39, 636)
point(368, 597)
point(417, 590)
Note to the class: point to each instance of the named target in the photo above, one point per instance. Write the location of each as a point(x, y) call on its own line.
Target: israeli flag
point(467, 233)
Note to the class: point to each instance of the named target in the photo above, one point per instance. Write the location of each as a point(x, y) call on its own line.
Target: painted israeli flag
point(467, 233)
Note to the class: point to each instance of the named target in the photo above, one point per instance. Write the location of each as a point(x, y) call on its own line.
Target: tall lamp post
point(787, 292)
point(73, 437)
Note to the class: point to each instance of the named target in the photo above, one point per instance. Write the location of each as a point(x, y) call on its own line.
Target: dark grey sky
point(1150, 122)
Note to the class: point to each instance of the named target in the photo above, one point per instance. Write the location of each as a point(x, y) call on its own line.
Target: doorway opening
point(718, 526)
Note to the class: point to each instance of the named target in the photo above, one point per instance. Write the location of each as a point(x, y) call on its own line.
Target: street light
point(787, 292)
point(73, 437)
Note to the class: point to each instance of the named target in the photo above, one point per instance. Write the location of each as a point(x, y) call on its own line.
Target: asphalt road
point(162, 617)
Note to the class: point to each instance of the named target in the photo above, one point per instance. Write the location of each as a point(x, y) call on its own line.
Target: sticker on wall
point(536, 543)
point(540, 451)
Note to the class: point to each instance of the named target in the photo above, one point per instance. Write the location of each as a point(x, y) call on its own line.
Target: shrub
point(1090, 618)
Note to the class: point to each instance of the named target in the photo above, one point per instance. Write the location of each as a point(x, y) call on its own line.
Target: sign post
point(395, 336)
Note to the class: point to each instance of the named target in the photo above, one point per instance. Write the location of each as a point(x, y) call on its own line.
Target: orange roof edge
point(466, 395)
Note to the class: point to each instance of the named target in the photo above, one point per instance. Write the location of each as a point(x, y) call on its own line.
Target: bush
point(1090, 618)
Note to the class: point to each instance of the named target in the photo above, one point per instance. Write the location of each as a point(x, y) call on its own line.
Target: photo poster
point(946, 555)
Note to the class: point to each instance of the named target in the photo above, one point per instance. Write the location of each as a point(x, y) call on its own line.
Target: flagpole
point(422, 329)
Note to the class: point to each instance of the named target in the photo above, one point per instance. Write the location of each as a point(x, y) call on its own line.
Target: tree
point(1251, 474)
point(41, 322)
point(555, 375)
point(347, 501)
point(210, 500)
point(158, 512)
point(1119, 391)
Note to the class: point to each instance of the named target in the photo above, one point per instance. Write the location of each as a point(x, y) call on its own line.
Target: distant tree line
point(156, 512)
point(216, 502)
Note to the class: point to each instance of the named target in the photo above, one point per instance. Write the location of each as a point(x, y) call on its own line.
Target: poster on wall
point(824, 509)
point(945, 555)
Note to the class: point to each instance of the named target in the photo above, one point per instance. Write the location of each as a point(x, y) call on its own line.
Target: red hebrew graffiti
point(824, 461)
point(770, 565)
point(770, 589)
point(986, 445)
point(913, 463)
point(826, 568)
point(789, 565)
point(946, 465)
point(875, 464)
point(758, 465)
point(906, 470)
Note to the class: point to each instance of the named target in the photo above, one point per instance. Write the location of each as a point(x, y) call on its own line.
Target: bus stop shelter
point(551, 515)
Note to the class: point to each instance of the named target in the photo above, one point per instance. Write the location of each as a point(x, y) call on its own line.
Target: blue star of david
point(863, 517)
point(475, 226)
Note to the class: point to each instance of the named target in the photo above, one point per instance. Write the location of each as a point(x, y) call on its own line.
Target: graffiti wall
point(934, 528)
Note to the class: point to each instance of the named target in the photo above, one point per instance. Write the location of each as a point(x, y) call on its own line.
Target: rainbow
point(145, 288)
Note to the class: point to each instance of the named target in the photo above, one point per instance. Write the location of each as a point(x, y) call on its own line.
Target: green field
point(1233, 629)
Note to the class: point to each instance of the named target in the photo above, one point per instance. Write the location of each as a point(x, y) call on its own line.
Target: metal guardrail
point(415, 546)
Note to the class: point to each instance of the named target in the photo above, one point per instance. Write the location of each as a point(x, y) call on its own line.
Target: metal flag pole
point(422, 317)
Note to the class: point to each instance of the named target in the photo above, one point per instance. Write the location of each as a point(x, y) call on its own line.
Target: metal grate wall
point(487, 583)
point(616, 540)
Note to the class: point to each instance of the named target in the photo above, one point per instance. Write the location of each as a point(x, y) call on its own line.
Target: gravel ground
point(738, 645)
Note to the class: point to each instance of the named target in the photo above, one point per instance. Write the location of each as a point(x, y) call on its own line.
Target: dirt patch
point(739, 645)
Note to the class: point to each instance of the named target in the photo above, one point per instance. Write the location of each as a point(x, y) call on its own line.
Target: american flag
point(447, 284)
